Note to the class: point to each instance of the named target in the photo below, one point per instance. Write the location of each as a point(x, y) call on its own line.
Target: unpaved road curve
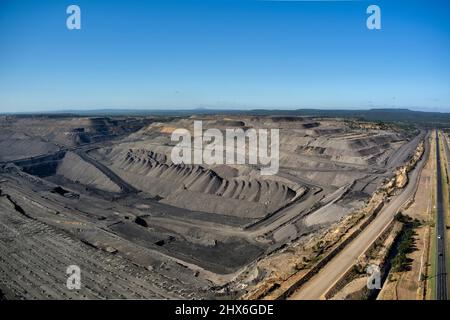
point(315, 288)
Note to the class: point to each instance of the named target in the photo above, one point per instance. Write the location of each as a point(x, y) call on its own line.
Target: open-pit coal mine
point(102, 193)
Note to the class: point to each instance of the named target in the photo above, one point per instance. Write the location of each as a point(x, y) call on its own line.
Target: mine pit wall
point(41, 166)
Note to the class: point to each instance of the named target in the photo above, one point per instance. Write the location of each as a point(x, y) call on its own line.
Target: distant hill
point(427, 119)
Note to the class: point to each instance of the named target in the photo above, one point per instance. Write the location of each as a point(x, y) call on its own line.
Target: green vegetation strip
point(400, 262)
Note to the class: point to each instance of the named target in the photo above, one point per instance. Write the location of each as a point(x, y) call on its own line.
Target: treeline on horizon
point(422, 118)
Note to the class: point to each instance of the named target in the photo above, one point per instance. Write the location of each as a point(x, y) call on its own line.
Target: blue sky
point(224, 54)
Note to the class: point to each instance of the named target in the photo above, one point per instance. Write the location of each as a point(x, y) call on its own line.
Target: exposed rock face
point(401, 178)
